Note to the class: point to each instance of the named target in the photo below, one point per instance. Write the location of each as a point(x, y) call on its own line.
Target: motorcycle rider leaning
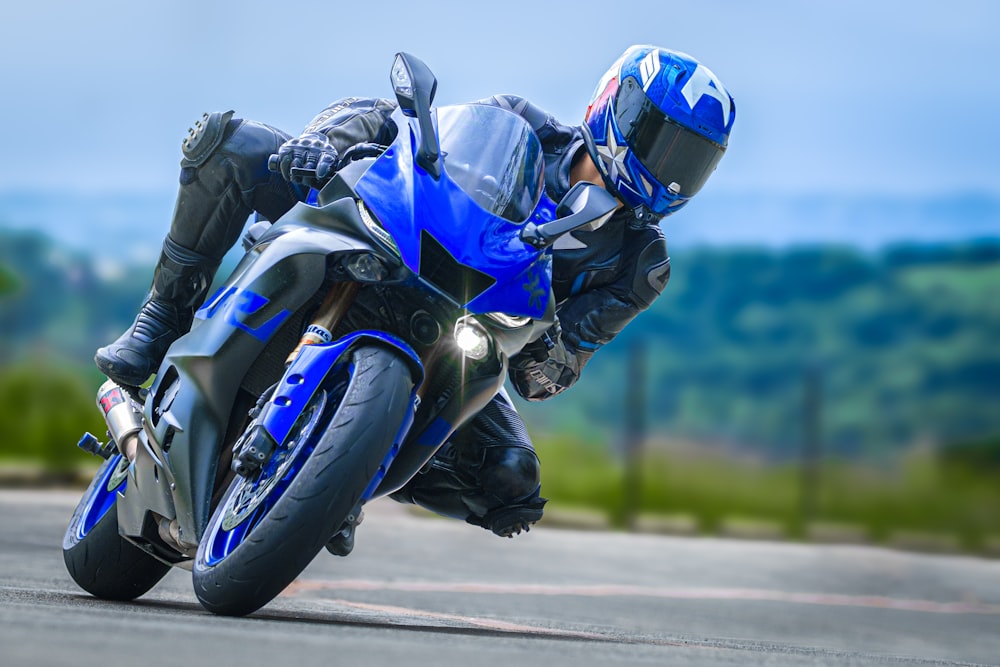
point(653, 133)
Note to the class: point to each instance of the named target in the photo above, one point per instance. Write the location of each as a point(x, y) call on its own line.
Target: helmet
point(656, 128)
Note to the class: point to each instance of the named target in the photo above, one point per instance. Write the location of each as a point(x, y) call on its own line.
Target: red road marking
point(745, 594)
point(487, 623)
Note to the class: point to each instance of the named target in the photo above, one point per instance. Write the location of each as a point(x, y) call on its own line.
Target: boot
point(180, 283)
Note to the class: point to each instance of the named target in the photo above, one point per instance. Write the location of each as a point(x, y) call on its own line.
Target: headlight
point(509, 321)
point(472, 339)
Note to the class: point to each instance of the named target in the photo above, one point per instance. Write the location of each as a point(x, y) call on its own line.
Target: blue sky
point(873, 96)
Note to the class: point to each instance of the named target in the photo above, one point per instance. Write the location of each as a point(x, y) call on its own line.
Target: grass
point(911, 494)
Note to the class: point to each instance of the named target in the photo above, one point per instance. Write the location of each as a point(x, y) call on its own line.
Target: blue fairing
point(409, 202)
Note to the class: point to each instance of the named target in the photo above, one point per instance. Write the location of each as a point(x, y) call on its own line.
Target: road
point(426, 591)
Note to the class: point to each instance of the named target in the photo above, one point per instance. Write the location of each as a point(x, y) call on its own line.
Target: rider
point(654, 131)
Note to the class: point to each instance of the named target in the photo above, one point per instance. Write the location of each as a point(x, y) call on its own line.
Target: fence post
point(635, 431)
point(812, 445)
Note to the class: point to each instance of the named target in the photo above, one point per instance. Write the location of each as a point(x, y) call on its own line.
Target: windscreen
point(494, 156)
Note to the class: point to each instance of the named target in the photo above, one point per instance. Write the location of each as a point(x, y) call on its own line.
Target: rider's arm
point(591, 318)
point(311, 158)
point(355, 120)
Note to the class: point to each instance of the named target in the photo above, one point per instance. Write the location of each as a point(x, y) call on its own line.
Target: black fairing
point(260, 304)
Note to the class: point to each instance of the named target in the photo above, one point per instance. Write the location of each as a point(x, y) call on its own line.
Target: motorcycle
point(355, 335)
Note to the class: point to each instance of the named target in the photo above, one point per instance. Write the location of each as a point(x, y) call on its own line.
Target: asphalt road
point(427, 591)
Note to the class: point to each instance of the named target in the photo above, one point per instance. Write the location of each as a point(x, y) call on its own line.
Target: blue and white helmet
point(656, 127)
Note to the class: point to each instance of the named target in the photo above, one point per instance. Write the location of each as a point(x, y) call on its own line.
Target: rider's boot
point(342, 543)
point(223, 178)
point(180, 283)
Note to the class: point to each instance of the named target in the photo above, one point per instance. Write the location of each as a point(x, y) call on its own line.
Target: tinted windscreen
point(494, 156)
point(675, 155)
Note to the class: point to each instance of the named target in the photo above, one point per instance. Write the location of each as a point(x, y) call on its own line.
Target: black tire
point(98, 559)
point(352, 437)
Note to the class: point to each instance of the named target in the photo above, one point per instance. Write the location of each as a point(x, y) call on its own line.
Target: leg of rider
point(487, 474)
point(223, 178)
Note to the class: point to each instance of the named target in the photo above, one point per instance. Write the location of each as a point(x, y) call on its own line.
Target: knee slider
point(510, 474)
point(204, 137)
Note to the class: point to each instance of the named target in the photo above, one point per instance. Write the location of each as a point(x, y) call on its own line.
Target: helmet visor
point(680, 159)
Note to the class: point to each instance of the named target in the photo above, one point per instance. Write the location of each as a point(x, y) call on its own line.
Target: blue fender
point(310, 368)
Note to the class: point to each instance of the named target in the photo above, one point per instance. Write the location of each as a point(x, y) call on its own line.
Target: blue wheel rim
point(111, 482)
point(277, 474)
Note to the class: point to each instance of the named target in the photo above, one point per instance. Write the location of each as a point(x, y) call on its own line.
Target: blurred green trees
point(44, 409)
point(903, 342)
point(7, 282)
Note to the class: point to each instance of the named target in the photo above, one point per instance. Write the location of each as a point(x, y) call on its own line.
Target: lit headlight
point(509, 321)
point(472, 339)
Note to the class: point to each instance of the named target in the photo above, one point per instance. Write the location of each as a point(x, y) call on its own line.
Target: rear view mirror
point(415, 86)
point(585, 203)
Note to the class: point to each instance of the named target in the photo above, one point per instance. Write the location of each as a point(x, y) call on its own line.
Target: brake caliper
point(252, 450)
point(256, 445)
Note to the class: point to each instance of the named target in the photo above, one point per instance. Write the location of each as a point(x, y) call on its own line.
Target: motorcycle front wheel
point(97, 557)
point(268, 528)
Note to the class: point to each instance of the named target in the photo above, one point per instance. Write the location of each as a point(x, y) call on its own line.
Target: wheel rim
point(249, 500)
point(251, 493)
point(111, 481)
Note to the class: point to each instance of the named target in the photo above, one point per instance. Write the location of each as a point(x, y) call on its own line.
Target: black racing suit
point(488, 472)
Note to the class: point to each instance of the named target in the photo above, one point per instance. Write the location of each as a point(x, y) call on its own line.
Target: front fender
point(310, 368)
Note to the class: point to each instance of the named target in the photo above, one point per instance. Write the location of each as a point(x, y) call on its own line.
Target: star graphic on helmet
point(613, 156)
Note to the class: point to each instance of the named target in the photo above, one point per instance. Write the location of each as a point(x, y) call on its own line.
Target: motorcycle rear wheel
point(252, 547)
point(97, 557)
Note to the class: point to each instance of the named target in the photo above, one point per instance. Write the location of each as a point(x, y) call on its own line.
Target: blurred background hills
point(119, 228)
point(902, 333)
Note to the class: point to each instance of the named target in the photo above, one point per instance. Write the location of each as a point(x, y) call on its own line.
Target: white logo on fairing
point(703, 82)
point(648, 68)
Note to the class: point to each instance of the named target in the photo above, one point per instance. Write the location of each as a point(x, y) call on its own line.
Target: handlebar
point(274, 164)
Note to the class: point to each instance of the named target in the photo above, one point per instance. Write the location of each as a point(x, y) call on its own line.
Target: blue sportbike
point(355, 335)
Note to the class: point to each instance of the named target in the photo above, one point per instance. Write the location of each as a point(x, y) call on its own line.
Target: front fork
point(338, 300)
point(257, 444)
point(307, 367)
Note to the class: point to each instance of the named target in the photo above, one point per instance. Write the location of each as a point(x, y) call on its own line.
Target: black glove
point(309, 160)
point(538, 349)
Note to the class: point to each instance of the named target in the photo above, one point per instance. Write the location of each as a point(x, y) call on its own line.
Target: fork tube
point(337, 301)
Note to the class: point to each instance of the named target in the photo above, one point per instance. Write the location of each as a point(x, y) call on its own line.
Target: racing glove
point(546, 366)
point(308, 160)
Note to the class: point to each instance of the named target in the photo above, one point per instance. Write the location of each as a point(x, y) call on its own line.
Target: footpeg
point(90, 444)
